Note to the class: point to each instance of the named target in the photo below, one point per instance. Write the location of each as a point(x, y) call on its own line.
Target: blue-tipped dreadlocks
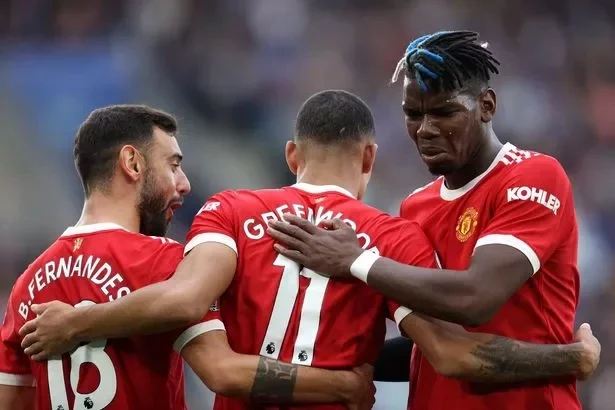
point(447, 61)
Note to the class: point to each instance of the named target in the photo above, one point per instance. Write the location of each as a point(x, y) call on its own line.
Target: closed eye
point(444, 112)
point(413, 114)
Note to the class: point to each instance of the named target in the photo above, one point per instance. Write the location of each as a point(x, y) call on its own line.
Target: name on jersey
point(539, 196)
point(256, 228)
point(86, 267)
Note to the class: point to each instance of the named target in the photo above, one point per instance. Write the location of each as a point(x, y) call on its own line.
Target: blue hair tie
point(415, 43)
point(419, 80)
point(436, 57)
point(419, 69)
point(424, 70)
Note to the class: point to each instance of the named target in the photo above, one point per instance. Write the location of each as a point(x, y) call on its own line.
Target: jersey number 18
point(93, 353)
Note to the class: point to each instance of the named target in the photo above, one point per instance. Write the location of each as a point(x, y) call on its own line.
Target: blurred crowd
point(235, 73)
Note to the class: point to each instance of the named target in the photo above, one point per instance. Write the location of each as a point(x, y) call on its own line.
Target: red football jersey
point(523, 200)
point(275, 308)
point(95, 264)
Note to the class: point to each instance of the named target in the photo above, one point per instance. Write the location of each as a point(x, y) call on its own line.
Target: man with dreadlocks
point(502, 220)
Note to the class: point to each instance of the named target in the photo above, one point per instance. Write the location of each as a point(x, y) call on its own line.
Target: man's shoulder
point(427, 191)
point(125, 242)
point(382, 226)
point(520, 161)
point(243, 198)
point(131, 251)
point(421, 199)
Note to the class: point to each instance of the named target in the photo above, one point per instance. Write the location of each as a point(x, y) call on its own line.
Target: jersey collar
point(85, 229)
point(452, 194)
point(319, 189)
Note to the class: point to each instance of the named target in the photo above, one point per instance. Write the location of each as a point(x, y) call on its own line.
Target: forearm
point(482, 357)
point(447, 295)
point(270, 381)
point(152, 309)
point(17, 398)
point(498, 359)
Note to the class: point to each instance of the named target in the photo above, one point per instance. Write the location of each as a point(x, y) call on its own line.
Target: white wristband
point(361, 266)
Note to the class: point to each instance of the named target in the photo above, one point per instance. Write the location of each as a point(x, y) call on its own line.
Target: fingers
point(39, 309)
point(42, 355)
point(290, 254)
point(290, 230)
point(29, 327)
point(585, 326)
point(29, 340)
point(288, 240)
point(34, 349)
point(304, 224)
point(338, 224)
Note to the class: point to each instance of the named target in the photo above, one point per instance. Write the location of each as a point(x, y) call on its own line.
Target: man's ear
point(487, 104)
point(131, 162)
point(291, 156)
point(369, 157)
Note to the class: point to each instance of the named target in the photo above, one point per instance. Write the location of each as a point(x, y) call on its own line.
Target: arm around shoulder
point(481, 357)
point(266, 380)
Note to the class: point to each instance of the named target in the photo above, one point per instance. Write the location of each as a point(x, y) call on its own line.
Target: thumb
point(38, 309)
point(333, 224)
point(585, 326)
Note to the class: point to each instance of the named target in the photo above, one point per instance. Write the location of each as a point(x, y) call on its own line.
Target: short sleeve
point(14, 363)
point(408, 245)
point(214, 223)
point(212, 321)
point(532, 210)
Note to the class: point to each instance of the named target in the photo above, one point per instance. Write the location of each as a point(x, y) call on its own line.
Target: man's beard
point(152, 209)
point(445, 168)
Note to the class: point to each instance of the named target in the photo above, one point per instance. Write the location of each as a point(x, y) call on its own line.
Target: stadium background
point(235, 72)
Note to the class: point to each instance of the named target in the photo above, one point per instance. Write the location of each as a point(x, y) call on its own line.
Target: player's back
point(278, 309)
point(96, 264)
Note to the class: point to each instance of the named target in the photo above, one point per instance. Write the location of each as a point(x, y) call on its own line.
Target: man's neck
point(321, 176)
point(100, 208)
point(479, 163)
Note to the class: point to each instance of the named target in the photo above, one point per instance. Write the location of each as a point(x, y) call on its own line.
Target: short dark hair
point(333, 117)
point(448, 61)
point(101, 136)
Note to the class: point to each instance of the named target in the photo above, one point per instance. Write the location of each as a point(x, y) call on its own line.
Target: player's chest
point(454, 227)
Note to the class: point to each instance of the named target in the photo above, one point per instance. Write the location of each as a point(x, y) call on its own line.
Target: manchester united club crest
point(466, 224)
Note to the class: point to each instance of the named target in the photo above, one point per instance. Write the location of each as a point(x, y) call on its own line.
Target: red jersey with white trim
point(523, 200)
point(95, 264)
point(275, 308)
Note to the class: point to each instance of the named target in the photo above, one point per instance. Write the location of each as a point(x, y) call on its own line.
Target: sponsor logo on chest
point(533, 194)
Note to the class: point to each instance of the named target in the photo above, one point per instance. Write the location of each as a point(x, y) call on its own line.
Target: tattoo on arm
point(503, 360)
point(274, 381)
